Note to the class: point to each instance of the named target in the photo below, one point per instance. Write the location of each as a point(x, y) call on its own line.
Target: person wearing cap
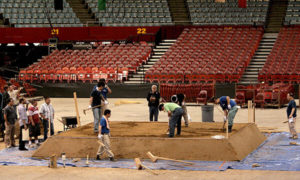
point(291, 111)
point(230, 109)
point(175, 114)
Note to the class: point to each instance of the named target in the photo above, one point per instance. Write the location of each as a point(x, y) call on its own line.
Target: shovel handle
point(167, 159)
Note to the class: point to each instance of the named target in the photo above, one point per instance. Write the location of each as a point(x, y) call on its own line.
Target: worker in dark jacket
point(153, 102)
point(4, 101)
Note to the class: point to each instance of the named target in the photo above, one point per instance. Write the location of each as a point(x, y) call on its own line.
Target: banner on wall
point(242, 3)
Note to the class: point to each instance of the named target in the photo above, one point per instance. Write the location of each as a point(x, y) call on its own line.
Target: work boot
point(112, 159)
point(229, 129)
point(23, 149)
point(98, 157)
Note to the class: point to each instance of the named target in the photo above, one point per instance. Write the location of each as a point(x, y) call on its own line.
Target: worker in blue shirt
point(104, 136)
point(230, 109)
point(291, 111)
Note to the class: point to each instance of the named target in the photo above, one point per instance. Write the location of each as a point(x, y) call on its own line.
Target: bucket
point(207, 113)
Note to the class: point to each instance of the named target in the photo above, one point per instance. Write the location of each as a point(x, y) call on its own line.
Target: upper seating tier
point(37, 13)
point(132, 12)
point(209, 12)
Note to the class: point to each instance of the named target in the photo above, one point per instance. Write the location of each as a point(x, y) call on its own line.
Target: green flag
point(101, 4)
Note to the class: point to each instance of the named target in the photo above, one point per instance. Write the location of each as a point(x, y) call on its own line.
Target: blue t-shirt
point(291, 105)
point(103, 124)
point(104, 91)
point(223, 103)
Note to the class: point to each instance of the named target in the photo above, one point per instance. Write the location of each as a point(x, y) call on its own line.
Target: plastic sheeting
point(274, 154)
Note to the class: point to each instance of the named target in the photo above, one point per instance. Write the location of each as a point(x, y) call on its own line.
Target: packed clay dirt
point(153, 129)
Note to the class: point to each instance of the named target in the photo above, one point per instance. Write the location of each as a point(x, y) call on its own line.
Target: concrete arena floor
point(266, 119)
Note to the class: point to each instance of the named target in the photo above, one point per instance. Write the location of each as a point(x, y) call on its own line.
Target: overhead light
point(11, 44)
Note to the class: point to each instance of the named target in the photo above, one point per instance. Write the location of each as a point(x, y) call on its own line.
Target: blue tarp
point(274, 154)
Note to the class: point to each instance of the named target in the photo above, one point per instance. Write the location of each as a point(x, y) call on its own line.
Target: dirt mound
point(135, 139)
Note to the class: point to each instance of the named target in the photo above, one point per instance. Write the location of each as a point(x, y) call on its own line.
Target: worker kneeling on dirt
point(230, 109)
point(175, 113)
point(104, 136)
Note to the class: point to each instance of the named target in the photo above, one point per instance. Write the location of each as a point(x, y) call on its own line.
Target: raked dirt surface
point(266, 119)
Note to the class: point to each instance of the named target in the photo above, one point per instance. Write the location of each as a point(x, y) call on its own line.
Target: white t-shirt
point(22, 114)
point(14, 95)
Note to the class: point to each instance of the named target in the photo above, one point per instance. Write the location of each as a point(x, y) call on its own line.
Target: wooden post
point(253, 114)
point(76, 108)
point(279, 105)
point(250, 112)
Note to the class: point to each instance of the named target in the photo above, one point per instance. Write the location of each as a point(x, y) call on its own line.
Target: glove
point(225, 118)
point(106, 102)
point(90, 107)
point(100, 136)
point(229, 107)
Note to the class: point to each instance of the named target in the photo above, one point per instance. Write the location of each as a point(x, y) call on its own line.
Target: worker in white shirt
point(23, 121)
point(14, 94)
point(47, 115)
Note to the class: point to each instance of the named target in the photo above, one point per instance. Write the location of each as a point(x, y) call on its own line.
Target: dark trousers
point(153, 111)
point(175, 120)
point(2, 124)
point(46, 127)
point(21, 142)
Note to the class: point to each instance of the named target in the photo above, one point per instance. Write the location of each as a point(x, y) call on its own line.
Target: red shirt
point(34, 112)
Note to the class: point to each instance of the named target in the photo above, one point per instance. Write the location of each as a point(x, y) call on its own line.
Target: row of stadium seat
point(293, 13)
point(112, 62)
point(19, 14)
point(130, 13)
point(211, 12)
point(283, 64)
point(207, 54)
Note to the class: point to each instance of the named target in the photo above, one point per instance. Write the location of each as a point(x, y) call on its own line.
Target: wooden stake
point(87, 160)
point(76, 108)
point(49, 129)
point(53, 161)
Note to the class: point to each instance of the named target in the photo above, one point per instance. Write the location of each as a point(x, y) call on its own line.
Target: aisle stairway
point(179, 12)
point(259, 59)
point(81, 12)
point(275, 19)
point(158, 52)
